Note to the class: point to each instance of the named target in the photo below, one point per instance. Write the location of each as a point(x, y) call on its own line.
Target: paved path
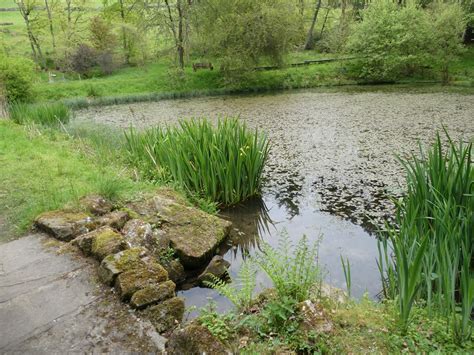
point(50, 303)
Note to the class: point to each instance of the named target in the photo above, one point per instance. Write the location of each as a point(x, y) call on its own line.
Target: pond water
point(330, 170)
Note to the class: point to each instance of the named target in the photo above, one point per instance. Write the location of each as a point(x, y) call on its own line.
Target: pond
point(331, 169)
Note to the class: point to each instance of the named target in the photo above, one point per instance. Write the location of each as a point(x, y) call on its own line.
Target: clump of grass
point(223, 164)
point(433, 239)
point(46, 114)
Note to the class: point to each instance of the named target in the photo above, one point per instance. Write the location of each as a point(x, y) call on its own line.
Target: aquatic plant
point(46, 114)
point(433, 237)
point(222, 163)
point(346, 267)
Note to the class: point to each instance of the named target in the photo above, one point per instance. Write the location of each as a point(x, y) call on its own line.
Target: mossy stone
point(153, 294)
point(166, 315)
point(64, 225)
point(106, 241)
point(112, 265)
point(194, 339)
point(96, 204)
point(130, 281)
point(115, 219)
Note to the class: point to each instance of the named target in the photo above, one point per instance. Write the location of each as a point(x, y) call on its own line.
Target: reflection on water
point(265, 219)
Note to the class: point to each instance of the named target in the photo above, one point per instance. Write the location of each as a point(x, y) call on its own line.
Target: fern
point(293, 269)
point(239, 293)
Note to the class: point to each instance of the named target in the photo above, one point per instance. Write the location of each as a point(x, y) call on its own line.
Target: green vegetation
point(433, 238)
point(44, 170)
point(275, 321)
point(53, 114)
point(222, 164)
point(16, 75)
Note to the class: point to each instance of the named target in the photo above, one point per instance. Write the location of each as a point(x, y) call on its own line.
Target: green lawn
point(43, 170)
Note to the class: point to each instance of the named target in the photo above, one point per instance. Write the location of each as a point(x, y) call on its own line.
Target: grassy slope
point(42, 170)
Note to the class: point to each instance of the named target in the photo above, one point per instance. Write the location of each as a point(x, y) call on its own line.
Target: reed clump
point(45, 114)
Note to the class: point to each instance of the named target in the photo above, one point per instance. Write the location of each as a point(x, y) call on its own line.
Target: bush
point(84, 59)
point(391, 41)
point(43, 114)
point(16, 77)
point(223, 163)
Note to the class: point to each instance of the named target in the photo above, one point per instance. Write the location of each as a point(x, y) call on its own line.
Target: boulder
point(130, 281)
point(64, 225)
point(115, 219)
point(166, 315)
point(217, 268)
point(107, 241)
point(96, 204)
point(176, 271)
point(314, 318)
point(153, 294)
point(112, 265)
point(193, 234)
point(194, 339)
point(139, 233)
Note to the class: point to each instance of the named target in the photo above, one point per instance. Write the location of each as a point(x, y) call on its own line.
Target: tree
point(391, 41)
point(27, 11)
point(49, 5)
point(244, 33)
point(310, 38)
point(16, 78)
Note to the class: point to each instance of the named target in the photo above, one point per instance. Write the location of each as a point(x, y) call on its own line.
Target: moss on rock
point(194, 339)
point(112, 265)
point(166, 315)
point(153, 294)
point(130, 281)
point(64, 225)
point(106, 241)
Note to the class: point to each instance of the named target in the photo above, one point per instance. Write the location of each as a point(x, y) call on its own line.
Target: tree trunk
point(180, 44)
point(34, 43)
point(324, 23)
point(310, 39)
point(50, 21)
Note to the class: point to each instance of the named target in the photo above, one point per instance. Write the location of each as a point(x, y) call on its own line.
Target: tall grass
point(222, 163)
point(433, 239)
point(46, 114)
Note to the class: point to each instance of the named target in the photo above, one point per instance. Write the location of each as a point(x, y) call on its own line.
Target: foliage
point(16, 77)
point(101, 36)
point(449, 23)
point(239, 292)
point(222, 163)
point(391, 41)
point(84, 59)
point(243, 33)
point(433, 237)
point(46, 114)
point(293, 269)
point(218, 324)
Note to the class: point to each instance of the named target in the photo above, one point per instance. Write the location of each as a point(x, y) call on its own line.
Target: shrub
point(222, 163)
point(16, 77)
point(433, 238)
point(44, 114)
point(84, 59)
point(391, 41)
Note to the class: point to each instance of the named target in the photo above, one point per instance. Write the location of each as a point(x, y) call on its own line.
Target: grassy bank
point(44, 169)
point(156, 81)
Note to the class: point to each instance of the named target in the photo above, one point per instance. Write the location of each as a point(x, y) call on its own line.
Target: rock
point(217, 268)
point(115, 219)
point(176, 271)
point(194, 339)
point(139, 233)
point(193, 234)
point(153, 294)
point(112, 265)
point(130, 281)
point(107, 241)
point(64, 225)
point(314, 318)
point(166, 315)
point(96, 204)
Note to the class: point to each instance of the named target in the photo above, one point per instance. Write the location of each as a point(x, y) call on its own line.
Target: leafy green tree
point(244, 33)
point(391, 41)
point(449, 23)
